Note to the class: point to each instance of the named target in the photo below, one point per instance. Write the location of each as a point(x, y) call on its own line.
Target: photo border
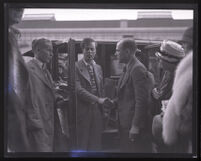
point(136, 5)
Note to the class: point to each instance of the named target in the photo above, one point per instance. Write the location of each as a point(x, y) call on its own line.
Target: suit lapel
point(39, 73)
point(120, 80)
point(125, 76)
point(124, 79)
point(83, 70)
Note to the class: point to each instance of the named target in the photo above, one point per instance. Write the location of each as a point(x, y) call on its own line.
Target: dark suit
point(133, 92)
point(89, 113)
point(41, 116)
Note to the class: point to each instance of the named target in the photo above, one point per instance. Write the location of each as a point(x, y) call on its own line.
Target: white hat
point(171, 51)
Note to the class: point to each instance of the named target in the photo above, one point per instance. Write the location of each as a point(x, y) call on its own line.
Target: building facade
point(148, 26)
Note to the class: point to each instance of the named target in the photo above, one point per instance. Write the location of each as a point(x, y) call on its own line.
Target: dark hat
point(188, 36)
point(170, 51)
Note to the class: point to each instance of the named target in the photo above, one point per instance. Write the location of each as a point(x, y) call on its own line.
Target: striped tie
point(92, 79)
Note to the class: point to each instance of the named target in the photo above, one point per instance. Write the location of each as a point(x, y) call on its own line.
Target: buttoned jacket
point(133, 93)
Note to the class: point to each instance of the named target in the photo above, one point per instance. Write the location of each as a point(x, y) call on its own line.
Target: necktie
point(92, 79)
point(123, 75)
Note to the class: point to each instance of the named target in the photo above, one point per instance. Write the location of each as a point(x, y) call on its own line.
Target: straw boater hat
point(170, 51)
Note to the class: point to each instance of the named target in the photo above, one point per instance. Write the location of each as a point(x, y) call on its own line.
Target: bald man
point(41, 117)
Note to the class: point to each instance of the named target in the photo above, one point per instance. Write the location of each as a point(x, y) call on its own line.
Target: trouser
point(40, 141)
point(90, 130)
point(141, 145)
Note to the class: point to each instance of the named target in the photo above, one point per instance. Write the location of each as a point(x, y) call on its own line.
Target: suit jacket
point(86, 103)
point(41, 115)
point(133, 92)
point(83, 85)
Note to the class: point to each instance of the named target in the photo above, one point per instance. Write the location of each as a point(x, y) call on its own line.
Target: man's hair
point(188, 37)
point(87, 41)
point(129, 44)
point(37, 43)
point(33, 43)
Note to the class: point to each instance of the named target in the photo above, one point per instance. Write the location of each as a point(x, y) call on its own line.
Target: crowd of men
point(33, 122)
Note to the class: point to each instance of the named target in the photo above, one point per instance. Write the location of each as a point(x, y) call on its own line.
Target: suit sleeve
point(56, 94)
point(140, 86)
point(102, 90)
point(82, 93)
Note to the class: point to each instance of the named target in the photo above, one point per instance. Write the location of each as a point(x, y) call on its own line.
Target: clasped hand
point(156, 93)
point(106, 102)
point(133, 133)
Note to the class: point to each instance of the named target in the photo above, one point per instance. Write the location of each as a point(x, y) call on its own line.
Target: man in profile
point(42, 116)
point(132, 100)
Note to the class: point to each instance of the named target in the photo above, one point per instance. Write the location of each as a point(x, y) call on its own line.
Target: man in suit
point(42, 116)
point(89, 89)
point(170, 55)
point(132, 100)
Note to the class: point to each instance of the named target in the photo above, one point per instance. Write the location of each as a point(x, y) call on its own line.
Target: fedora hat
point(170, 51)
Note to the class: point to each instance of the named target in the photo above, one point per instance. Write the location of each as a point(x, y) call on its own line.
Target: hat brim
point(168, 59)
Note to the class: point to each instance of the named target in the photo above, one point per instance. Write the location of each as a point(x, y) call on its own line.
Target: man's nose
point(90, 51)
point(116, 53)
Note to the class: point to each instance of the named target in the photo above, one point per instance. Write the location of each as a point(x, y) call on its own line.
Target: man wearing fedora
point(170, 55)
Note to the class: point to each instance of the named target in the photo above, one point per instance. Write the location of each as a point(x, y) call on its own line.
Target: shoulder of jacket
point(138, 67)
point(98, 66)
point(31, 64)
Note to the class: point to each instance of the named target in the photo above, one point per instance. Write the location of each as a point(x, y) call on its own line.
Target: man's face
point(122, 54)
point(45, 52)
point(89, 52)
point(15, 15)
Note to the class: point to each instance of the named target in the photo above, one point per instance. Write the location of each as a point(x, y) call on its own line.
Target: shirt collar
point(39, 63)
point(93, 62)
point(131, 61)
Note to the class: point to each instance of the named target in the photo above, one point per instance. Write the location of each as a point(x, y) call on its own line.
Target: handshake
point(107, 103)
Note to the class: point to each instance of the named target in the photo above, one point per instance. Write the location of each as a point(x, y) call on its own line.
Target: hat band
point(171, 62)
point(170, 56)
point(167, 58)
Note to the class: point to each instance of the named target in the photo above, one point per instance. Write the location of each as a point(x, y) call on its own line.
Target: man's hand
point(108, 103)
point(59, 97)
point(156, 94)
point(133, 133)
point(101, 100)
